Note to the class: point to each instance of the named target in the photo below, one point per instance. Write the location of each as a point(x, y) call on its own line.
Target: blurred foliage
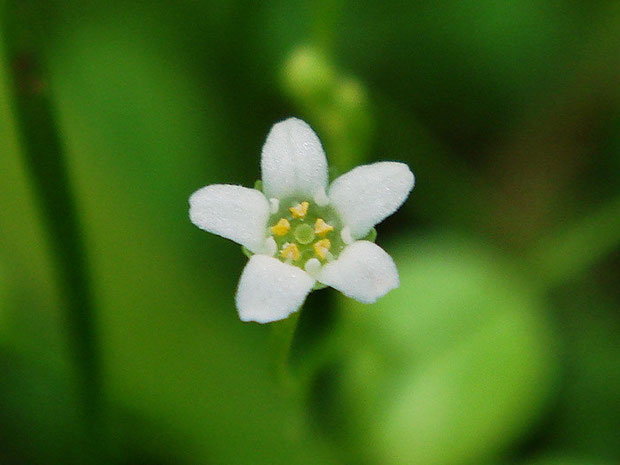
point(499, 347)
point(453, 357)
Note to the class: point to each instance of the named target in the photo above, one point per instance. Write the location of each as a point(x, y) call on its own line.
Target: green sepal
point(258, 185)
point(371, 236)
point(246, 252)
point(317, 286)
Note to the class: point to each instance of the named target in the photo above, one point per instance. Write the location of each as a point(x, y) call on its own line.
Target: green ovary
point(304, 234)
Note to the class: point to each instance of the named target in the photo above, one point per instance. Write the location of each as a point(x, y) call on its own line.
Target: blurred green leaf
point(451, 367)
point(586, 417)
point(563, 459)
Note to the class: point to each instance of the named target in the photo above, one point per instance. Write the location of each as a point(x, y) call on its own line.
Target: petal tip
point(234, 212)
point(364, 272)
point(368, 194)
point(292, 120)
point(252, 317)
point(293, 160)
point(407, 176)
point(410, 177)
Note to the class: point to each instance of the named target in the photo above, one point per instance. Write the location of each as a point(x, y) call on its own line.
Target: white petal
point(234, 212)
point(368, 194)
point(363, 271)
point(270, 290)
point(293, 161)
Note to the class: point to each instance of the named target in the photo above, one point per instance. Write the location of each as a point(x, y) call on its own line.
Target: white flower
point(301, 231)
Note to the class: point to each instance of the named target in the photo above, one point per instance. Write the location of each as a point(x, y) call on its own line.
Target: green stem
point(282, 336)
point(23, 26)
point(325, 17)
point(569, 253)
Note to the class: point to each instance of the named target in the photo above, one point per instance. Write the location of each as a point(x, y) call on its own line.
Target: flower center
point(305, 231)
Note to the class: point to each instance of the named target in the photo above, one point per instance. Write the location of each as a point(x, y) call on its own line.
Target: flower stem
point(282, 336)
point(570, 252)
point(22, 27)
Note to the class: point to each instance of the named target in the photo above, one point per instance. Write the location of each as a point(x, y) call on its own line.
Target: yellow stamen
point(281, 227)
point(290, 251)
point(300, 210)
point(321, 227)
point(321, 248)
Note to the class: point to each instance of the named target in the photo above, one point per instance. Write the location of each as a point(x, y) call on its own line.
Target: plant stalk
point(23, 29)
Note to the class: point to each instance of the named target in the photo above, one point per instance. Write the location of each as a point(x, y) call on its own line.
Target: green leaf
point(449, 368)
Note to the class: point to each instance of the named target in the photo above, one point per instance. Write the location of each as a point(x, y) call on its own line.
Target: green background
point(501, 344)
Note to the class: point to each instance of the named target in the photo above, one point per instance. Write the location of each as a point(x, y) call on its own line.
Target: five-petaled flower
point(301, 232)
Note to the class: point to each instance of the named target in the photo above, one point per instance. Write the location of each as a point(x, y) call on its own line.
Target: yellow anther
point(290, 251)
point(281, 227)
point(321, 248)
point(300, 210)
point(321, 227)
